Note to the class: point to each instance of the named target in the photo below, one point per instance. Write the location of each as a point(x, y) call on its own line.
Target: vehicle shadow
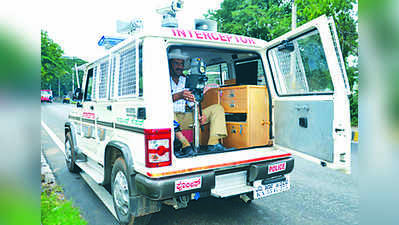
point(212, 211)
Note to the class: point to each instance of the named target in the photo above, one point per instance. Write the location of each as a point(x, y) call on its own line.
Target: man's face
point(177, 66)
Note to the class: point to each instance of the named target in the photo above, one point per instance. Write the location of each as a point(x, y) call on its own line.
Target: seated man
point(183, 100)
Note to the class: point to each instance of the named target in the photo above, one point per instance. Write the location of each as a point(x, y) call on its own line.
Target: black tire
point(70, 154)
point(124, 215)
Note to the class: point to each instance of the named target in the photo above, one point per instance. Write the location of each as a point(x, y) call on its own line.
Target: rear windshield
point(46, 93)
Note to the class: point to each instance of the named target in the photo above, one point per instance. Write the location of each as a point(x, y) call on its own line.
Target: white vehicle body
point(115, 121)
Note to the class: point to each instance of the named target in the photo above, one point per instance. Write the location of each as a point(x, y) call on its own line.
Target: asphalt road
point(317, 196)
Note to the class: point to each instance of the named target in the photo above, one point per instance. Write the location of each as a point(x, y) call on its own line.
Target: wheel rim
point(68, 151)
point(121, 193)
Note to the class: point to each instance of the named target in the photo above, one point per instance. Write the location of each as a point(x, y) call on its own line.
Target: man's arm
point(186, 95)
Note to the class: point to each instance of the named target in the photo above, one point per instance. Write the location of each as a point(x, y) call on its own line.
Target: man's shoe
point(216, 148)
point(188, 151)
point(185, 152)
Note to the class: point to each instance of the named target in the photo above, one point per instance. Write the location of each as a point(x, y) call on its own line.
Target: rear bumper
point(260, 171)
point(165, 188)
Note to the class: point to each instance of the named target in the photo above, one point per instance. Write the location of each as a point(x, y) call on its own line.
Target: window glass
point(127, 72)
point(141, 69)
point(93, 87)
point(103, 80)
point(89, 86)
point(300, 66)
point(215, 72)
point(113, 61)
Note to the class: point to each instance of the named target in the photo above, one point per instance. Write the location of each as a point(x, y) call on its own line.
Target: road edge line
point(56, 140)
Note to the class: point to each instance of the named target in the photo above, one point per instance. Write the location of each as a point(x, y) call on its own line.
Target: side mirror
point(286, 47)
point(77, 95)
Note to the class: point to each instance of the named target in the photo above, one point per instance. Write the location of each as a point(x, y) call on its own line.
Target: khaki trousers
point(214, 116)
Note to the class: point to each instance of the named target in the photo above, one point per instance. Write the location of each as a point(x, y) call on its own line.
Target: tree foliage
point(51, 61)
point(57, 71)
point(269, 19)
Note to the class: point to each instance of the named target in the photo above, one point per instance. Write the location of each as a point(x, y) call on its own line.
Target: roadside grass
point(56, 210)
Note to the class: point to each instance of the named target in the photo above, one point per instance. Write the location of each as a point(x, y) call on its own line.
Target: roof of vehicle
point(191, 37)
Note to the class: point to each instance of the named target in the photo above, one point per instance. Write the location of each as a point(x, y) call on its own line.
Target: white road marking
point(54, 137)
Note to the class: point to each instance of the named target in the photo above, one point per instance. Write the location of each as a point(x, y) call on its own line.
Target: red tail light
point(157, 147)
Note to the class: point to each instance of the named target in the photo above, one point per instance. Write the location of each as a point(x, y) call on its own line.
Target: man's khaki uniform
point(214, 115)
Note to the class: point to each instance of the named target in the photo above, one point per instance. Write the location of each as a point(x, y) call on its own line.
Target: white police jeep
point(286, 96)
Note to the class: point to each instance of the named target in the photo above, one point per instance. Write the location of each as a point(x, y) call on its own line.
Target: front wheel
point(121, 191)
point(70, 154)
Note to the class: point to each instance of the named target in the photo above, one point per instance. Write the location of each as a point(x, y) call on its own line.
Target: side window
point(127, 72)
point(141, 68)
point(300, 66)
point(217, 72)
point(112, 76)
point(89, 86)
point(94, 87)
point(103, 80)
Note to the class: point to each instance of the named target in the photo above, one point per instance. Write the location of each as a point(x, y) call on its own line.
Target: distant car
point(66, 99)
point(46, 96)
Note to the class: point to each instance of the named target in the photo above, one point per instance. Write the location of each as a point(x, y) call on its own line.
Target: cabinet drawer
point(237, 135)
point(234, 100)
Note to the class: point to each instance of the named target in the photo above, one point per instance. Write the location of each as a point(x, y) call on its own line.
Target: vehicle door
point(104, 107)
point(310, 94)
point(87, 140)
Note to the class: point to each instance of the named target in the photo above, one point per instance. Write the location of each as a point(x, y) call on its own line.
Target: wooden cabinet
point(247, 115)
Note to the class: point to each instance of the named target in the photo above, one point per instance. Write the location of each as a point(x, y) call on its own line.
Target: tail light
point(157, 147)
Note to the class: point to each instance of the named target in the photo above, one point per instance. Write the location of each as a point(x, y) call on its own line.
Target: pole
point(73, 83)
point(77, 75)
point(59, 87)
point(196, 127)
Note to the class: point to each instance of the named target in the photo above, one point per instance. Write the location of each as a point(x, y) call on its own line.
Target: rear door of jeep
point(310, 89)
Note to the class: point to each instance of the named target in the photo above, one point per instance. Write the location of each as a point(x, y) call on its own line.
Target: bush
point(56, 210)
point(353, 100)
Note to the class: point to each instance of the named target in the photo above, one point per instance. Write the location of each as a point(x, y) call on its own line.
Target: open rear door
point(310, 88)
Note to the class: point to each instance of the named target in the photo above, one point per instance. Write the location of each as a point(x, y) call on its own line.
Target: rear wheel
point(70, 155)
point(121, 191)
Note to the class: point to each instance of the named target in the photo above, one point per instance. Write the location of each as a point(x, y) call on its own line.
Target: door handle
point(92, 107)
point(304, 108)
point(109, 107)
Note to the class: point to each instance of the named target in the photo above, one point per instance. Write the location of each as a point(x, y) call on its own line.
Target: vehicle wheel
point(70, 154)
point(121, 191)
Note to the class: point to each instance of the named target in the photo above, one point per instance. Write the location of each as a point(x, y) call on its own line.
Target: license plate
point(261, 191)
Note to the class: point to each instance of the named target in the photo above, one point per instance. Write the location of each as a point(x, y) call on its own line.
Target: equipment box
point(247, 114)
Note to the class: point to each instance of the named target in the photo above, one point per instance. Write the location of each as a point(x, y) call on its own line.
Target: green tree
point(56, 69)
point(66, 86)
point(269, 19)
point(52, 65)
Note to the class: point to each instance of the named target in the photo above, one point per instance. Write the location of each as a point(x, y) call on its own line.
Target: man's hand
point(187, 95)
point(202, 119)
